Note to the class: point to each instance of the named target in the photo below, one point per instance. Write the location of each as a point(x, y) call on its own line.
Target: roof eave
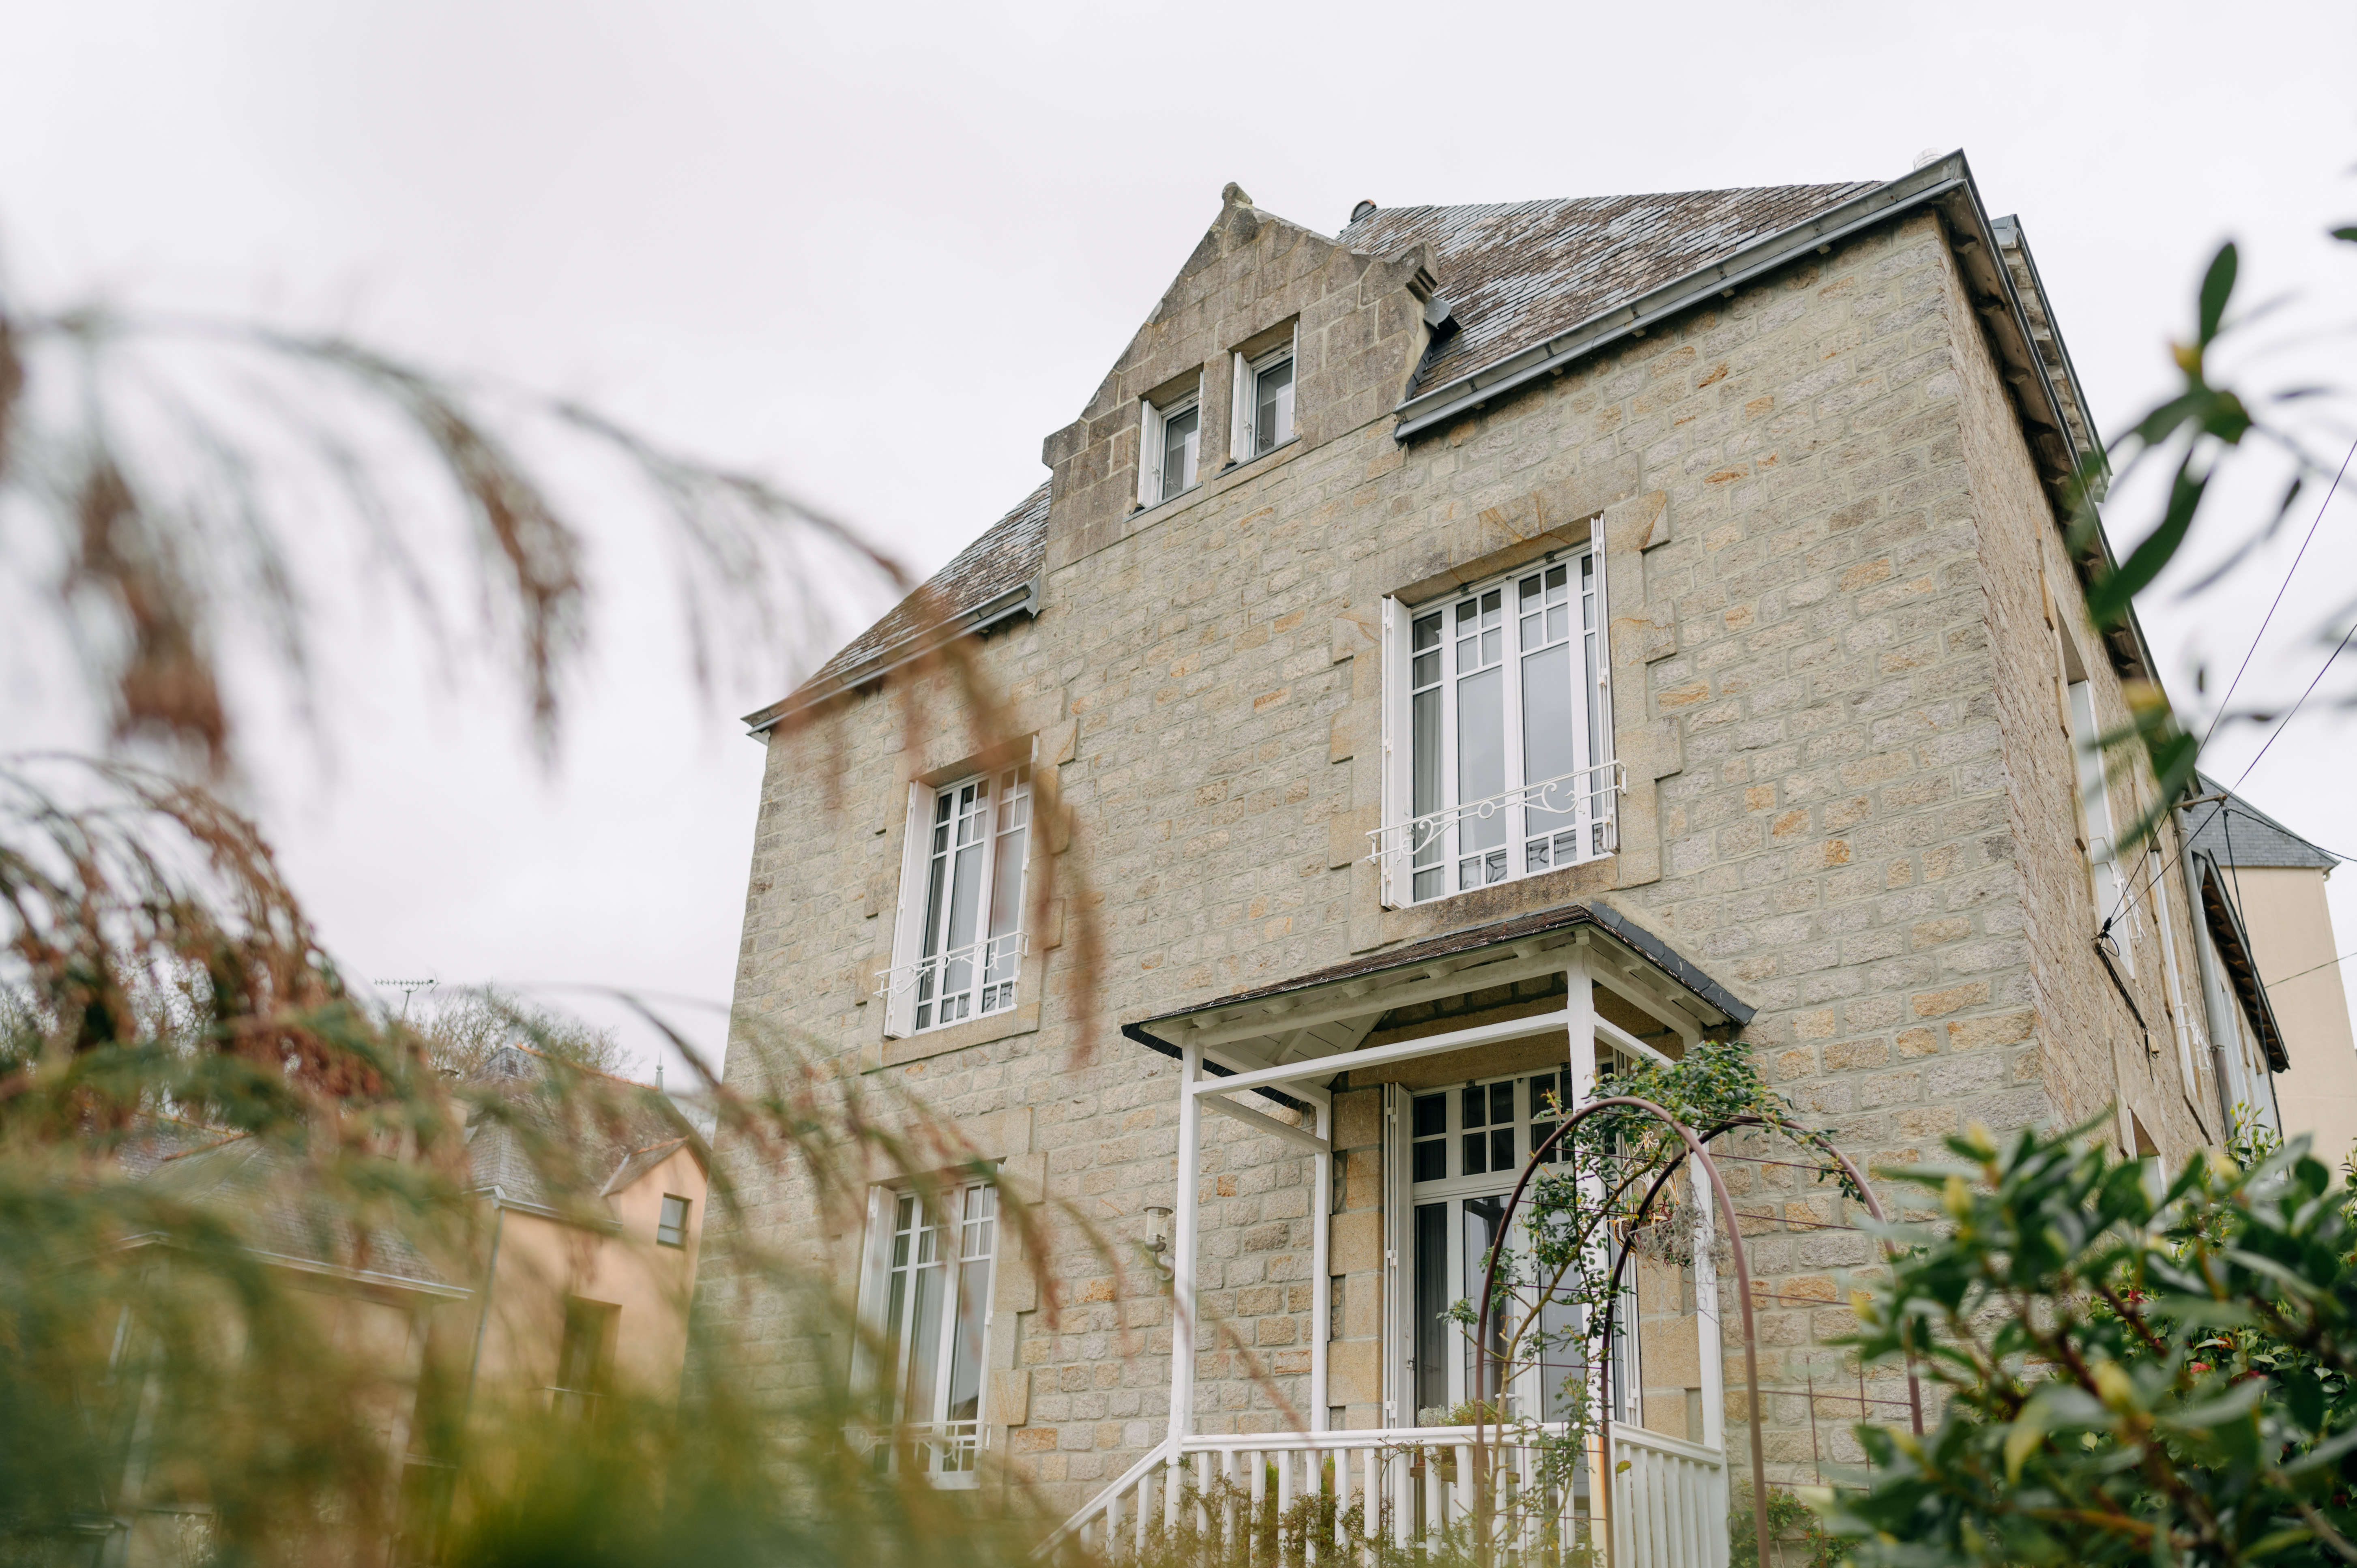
point(1021, 599)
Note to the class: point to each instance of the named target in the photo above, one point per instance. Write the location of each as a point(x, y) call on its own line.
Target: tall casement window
point(1168, 449)
point(961, 923)
point(2106, 885)
point(928, 1312)
point(1498, 732)
point(1264, 412)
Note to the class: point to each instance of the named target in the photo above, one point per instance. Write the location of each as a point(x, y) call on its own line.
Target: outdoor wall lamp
point(1158, 1228)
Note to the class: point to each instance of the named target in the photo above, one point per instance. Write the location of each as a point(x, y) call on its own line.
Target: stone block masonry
point(1828, 562)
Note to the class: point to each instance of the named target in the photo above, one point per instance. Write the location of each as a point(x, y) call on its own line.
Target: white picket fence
point(1410, 1485)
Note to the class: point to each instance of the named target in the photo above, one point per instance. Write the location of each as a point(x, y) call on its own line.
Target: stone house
point(1444, 658)
point(2270, 956)
point(576, 1296)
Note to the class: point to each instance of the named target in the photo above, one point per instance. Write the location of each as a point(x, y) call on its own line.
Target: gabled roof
point(282, 1217)
point(992, 578)
point(2235, 832)
point(610, 1154)
point(1515, 273)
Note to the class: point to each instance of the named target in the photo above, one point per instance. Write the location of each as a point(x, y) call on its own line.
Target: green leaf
point(2323, 1453)
point(2217, 285)
point(2304, 1397)
point(2023, 1440)
point(2346, 232)
point(2233, 1405)
point(2109, 600)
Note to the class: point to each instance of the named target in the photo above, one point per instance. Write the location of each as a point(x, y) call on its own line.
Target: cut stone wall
point(1825, 554)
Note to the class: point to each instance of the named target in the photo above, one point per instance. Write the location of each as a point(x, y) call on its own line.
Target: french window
point(960, 945)
point(927, 1314)
point(1498, 733)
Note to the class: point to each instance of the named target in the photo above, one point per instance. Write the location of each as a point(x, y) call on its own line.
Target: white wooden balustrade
point(1234, 1495)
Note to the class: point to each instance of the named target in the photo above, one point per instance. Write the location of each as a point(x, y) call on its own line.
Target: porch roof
point(1327, 1013)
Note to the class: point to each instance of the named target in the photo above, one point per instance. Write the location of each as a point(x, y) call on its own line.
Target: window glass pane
point(1548, 741)
point(924, 1344)
point(1429, 1115)
point(999, 962)
point(1474, 1147)
point(1501, 1103)
point(1591, 675)
point(1481, 773)
point(1273, 419)
point(1501, 1148)
point(1482, 1218)
point(964, 1398)
point(1431, 1161)
point(1432, 1335)
point(1179, 432)
point(1474, 1105)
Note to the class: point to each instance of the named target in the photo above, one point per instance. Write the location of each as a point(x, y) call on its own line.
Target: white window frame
point(1410, 842)
point(933, 984)
point(1151, 424)
point(664, 1219)
point(2106, 885)
point(1243, 422)
point(902, 1222)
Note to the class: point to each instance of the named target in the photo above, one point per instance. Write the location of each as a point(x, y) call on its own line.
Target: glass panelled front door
point(1467, 1146)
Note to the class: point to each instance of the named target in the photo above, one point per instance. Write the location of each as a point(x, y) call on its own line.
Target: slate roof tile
point(1515, 273)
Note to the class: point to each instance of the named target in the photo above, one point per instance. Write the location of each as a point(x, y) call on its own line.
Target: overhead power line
point(2184, 838)
point(2311, 969)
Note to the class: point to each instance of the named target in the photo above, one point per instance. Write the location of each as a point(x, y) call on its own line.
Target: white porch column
point(1182, 1246)
point(1713, 1347)
point(1579, 1015)
point(1321, 1288)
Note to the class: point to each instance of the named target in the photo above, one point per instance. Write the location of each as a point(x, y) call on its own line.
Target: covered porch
point(1420, 1084)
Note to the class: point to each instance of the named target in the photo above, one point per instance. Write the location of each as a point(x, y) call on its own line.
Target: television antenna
point(407, 988)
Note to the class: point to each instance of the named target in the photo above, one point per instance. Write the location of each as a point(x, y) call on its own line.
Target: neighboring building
point(1446, 659)
point(2271, 958)
point(571, 1302)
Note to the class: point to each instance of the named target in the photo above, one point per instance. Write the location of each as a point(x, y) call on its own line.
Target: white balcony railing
point(946, 1450)
point(1553, 822)
point(963, 983)
point(1411, 1486)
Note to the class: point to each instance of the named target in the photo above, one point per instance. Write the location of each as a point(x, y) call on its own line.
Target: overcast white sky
point(879, 253)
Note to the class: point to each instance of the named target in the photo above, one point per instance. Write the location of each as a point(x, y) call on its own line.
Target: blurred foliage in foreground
point(183, 1356)
point(2136, 1373)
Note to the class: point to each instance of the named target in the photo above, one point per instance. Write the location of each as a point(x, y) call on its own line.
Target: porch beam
point(1606, 1029)
point(1242, 1061)
point(1472, 977)
point(1403, 1051)
point(1649, 999)
point(1380, 998)
point(1260, 1120)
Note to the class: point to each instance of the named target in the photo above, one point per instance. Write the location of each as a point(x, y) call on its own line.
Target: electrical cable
point(2311, 969)
point(2184, 838)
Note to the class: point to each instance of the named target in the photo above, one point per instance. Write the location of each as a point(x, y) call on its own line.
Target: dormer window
point(1264, 403)
point(1169, 452)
